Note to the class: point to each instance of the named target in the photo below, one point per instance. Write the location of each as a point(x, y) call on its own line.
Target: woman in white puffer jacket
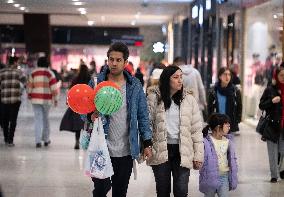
point(177, 133)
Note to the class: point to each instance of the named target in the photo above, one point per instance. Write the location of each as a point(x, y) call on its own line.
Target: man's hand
point(95, 115)
point(197, 165)
point(147, 153)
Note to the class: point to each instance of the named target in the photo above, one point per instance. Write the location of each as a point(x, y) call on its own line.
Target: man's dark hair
point(178, 60)
point(120, 47)
point(13, 60)
point(43, 62)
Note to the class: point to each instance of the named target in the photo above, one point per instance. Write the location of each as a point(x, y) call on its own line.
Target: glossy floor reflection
point(57, 170)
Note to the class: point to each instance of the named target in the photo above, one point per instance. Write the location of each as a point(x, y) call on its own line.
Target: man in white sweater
point(192, 81)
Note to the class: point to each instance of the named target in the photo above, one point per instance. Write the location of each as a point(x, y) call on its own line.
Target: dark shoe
point(47, 143)
point(38, 145)
point(10, 144)
point(282, 174)
point(273, 180)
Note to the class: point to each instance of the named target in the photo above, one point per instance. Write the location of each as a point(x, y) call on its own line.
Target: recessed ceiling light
point(16, 5)
point(90, 23)
point(275, 16)
point(133, 23)
point(10, 1)
point(75, 0)
point(83, 12)
point(78, 3)
point(22, 8)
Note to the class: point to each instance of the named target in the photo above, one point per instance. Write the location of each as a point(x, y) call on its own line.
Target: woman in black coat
point(72, 121)
point(272, 102)
point(225, 98)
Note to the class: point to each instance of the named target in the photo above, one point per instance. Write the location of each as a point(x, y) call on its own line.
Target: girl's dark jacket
point(233, 106)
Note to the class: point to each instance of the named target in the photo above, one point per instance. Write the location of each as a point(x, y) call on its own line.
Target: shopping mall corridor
point(57, 171)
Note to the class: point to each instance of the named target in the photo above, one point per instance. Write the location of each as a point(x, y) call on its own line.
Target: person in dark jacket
point(1, 67)
point(72, 121)
point(139, 75)
point(272, 102)
point(225, 98)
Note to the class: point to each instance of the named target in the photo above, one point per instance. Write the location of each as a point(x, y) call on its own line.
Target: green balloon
point(108, 100)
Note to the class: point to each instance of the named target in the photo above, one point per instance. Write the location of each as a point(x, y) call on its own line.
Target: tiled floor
point(56, 171)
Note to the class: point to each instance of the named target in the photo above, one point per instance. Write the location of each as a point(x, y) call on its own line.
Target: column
point(37, 33)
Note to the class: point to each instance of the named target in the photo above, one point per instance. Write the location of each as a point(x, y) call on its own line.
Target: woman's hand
point(197, 165)
point(276, 99)
point(147, 154)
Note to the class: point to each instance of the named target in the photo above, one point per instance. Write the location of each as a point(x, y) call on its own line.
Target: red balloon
point(80, 99)
point(106, 83)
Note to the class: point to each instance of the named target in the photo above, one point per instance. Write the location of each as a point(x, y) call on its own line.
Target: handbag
point(268, 128)
point(98, 163)
point(271, 131)
point(262, 122)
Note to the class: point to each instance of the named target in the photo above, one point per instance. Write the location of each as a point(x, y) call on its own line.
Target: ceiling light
point(16, 5)
point(83, 12)
point(275, 16)
point(22, 8)
point(133, 23)
point(81, 9)
point(78, 3)
point(10, 1)
point(90, 23)
point(75, 0)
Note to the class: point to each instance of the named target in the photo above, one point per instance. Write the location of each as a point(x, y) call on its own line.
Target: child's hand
point(197, 165)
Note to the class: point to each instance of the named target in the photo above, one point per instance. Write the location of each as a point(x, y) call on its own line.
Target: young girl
point(219, 171)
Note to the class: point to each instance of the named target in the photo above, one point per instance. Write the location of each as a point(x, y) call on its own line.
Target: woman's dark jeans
point(163, 172)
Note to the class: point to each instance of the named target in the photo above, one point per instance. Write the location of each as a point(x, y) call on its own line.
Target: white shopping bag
point(98, 163)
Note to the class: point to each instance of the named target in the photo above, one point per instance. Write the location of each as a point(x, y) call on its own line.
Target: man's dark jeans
point(163, 172)
point(9, 115)
point(122, 168)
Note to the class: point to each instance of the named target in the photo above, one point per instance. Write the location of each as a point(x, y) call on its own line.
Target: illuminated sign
point(158, 47)
point(208, 4)
point(194, 11)
point(200, 19)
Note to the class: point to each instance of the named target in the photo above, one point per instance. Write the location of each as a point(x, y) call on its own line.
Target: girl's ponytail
point(206, 130)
